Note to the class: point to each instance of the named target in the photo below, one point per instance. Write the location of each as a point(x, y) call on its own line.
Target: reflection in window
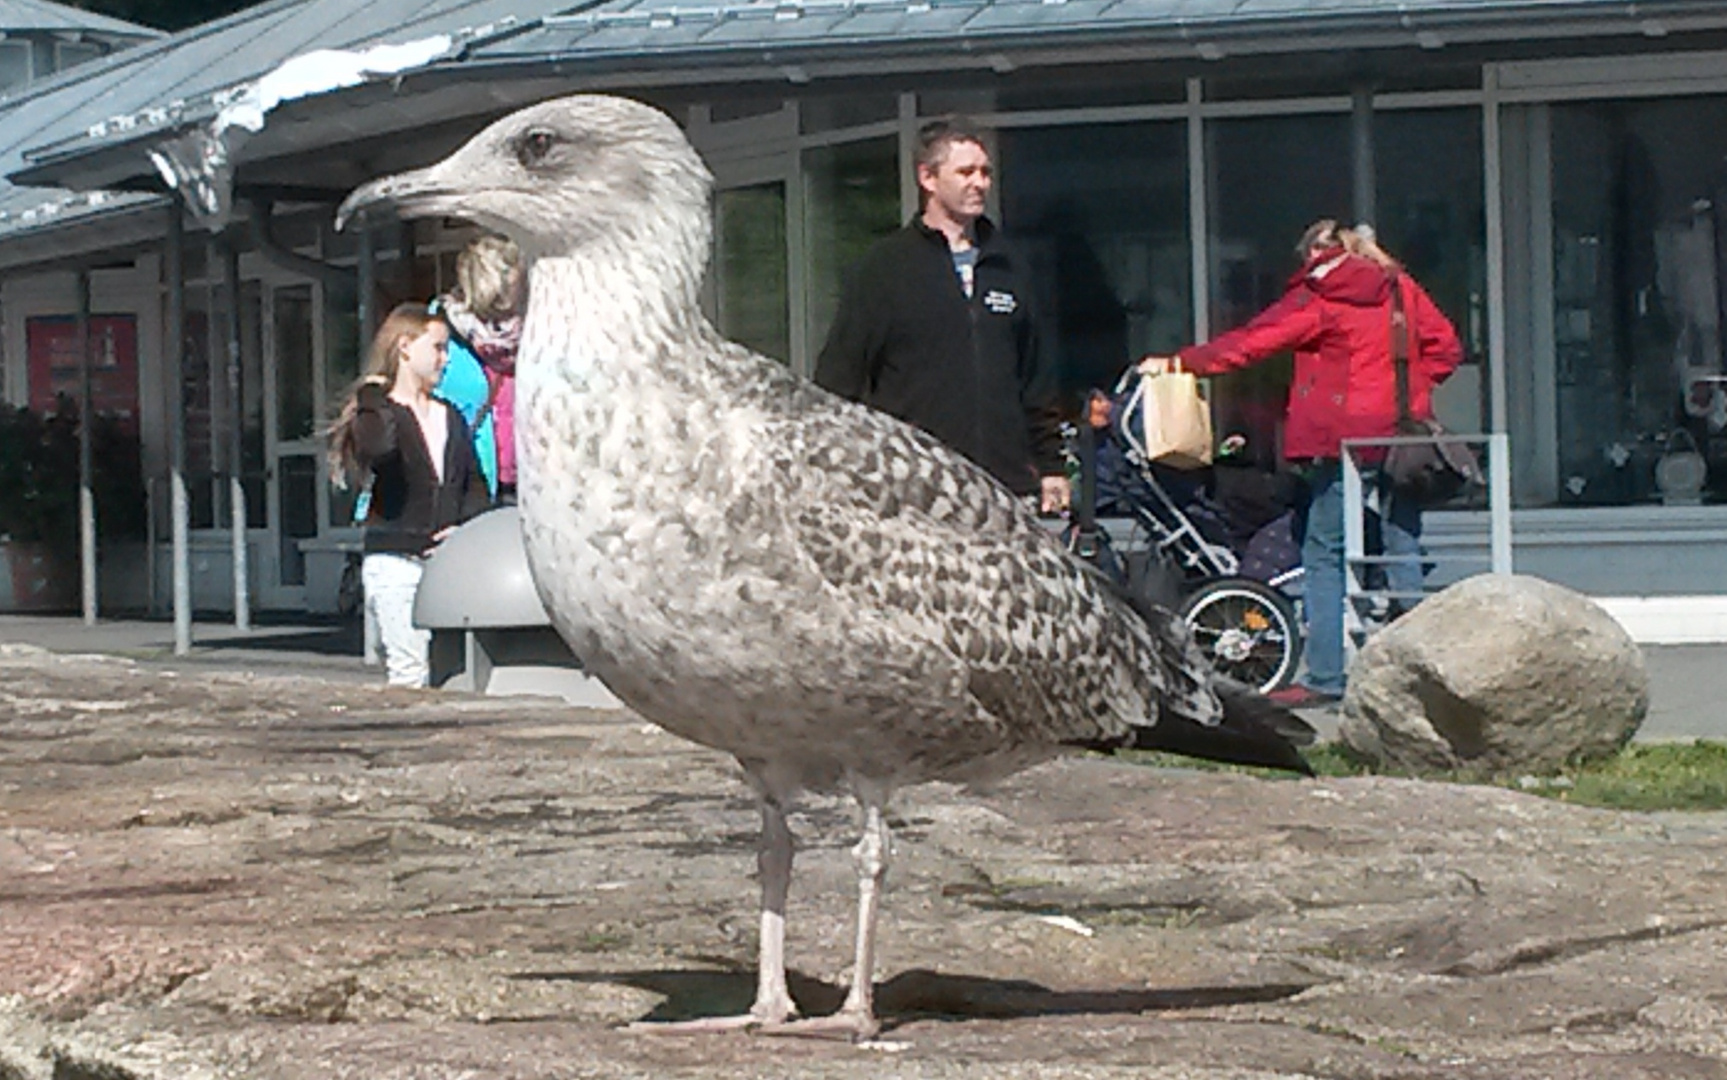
point(297, 507)
point(14, 64)
point(752, 268)
point(1637, 285)
point(1100, 212)
point(1431, 218)
point(1428, 190)
point(197, 401)
point(835, 111)
point(252, 469)
point(1271, 177)
point(1099, 85)
point(71, 54)
point(210, 404)
point(851, 200)
point(341, 339)
point(292, 338)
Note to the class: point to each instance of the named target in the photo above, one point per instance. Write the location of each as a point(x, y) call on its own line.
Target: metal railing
point(1360, 595)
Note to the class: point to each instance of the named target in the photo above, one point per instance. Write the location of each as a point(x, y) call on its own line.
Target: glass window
point(71, 54)
point(1273, 78)
point(1320, 76)
point(14, 65)
point(341, 338)
point(851, 200)
point(193, 262)
point(197, 401)
point(1097, 86)
point(956, 101)
point(432, 273)
point(1270, 177)
point(1431, 74)
point(1274, 176)
point(252, 468)
point(297, 510)
point(743, 108)
point(1431, 217)
point(1637, 286)
point(1101, 213)
point(829, 113)
point(752, 268)
point(341, 369)
point(291, 337)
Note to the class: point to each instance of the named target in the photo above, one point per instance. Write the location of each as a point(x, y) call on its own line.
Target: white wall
point(1660, 570)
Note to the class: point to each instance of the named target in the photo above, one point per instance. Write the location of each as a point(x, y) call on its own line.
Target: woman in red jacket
point(1336, 317)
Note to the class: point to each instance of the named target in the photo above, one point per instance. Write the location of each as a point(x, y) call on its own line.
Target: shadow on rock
point(918, 994)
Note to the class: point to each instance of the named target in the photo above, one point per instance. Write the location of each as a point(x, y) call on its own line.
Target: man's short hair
point(934, 138)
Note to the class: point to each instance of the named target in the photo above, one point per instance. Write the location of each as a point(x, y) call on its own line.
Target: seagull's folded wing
point(901, 526)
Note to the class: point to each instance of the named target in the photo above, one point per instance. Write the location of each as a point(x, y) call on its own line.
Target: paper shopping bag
point(1175, 420)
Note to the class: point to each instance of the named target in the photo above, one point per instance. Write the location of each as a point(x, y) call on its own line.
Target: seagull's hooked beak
point(422, 193)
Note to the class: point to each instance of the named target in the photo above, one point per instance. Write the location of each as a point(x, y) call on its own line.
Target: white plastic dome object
point(478, 578)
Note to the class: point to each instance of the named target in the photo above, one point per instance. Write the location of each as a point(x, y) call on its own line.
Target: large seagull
point(819, 590)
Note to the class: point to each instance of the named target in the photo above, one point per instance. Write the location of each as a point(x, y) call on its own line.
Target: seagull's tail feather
point(1254, 731)
point(1241, 699)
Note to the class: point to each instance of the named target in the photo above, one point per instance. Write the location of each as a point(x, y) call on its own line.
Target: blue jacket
point(464, 385)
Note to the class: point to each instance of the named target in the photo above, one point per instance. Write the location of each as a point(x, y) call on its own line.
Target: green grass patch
point(1643, 776)
point(1326, 759)
point(1651, 776)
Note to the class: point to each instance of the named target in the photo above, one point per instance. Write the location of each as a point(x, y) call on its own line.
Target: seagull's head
point(559, 176)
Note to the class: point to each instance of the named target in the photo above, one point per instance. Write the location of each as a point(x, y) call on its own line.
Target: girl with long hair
point(417, 454)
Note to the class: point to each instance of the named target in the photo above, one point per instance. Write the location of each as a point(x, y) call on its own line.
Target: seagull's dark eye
point(534, 146)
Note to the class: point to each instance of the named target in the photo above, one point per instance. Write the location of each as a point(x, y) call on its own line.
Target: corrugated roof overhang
point(628, 45)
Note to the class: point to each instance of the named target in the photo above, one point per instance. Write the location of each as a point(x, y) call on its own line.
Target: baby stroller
point(1215, 545)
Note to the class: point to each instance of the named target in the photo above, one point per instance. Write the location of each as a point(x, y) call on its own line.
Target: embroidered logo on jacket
point(998, 302)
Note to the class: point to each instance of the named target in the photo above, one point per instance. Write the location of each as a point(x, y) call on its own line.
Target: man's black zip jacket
point(907, 341)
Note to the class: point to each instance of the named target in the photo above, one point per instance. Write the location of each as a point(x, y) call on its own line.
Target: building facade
point(42, 38)
point(1553, 172)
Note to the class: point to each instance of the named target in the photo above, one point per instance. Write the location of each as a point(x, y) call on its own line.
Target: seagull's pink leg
point(856, 1017)
point(773, 1005)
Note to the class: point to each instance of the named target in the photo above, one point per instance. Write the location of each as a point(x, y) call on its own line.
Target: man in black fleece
point(936, 328)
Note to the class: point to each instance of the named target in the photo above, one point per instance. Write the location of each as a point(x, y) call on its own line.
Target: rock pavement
point(222, 875)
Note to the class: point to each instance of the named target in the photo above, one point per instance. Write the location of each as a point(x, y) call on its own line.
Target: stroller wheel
point(1247, 629)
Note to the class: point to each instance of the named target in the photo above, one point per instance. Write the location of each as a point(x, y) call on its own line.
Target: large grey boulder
point(1498, 673)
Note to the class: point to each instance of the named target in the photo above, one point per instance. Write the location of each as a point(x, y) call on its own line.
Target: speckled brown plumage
point(757, 565)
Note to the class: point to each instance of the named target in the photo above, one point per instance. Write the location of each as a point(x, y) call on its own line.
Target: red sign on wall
point(52, 344)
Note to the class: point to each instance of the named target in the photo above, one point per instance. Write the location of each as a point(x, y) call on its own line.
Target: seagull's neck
point(614, 303)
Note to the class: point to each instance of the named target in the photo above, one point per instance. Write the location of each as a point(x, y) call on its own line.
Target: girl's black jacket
point(409, 503)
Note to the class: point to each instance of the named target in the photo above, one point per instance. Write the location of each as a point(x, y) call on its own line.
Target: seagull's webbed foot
point(773, 1006)
point(852, 1025)
point(856, 1019)
point(762, 1016)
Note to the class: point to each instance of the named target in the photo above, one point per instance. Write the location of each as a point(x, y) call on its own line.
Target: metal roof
point(164, 85)
point(658, 28)
point(94, 124)
point(26, 15)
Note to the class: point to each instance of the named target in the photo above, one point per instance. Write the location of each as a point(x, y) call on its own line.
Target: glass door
point(751, 283)
point(851, 199)
point(293, 453)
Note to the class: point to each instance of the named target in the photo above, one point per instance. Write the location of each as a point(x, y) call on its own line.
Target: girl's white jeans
point(390, 582)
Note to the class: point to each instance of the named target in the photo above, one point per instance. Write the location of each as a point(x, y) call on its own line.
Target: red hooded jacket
point(1336, 316)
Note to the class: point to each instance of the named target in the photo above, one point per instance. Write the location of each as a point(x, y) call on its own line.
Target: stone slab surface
point(220, 874)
